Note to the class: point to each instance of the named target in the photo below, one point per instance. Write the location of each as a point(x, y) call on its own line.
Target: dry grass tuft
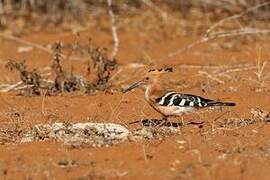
point(14, 127)
point(260, 115)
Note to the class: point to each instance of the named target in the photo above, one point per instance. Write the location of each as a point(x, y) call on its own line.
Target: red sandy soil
point(233, 152)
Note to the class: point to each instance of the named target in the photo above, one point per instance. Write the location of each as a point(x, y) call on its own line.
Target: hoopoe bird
point(171, 103)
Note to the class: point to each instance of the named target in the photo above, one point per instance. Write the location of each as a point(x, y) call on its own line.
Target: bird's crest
point(160, 70)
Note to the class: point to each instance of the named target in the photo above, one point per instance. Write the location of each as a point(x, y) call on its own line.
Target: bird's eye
point(147, 78)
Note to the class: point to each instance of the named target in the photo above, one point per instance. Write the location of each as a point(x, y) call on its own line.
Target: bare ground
point(232, 143)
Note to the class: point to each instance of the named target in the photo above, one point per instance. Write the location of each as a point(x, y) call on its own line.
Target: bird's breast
point(174, 110)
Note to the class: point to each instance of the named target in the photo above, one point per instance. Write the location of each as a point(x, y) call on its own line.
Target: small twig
point(114, 30)
point(237, 32)
point(43, 103)
point(116, 74)
point(260, 67)
point(144, 154)
point(211, 77)
point(215, 75)
point(236, 70)
point(116, 108)
point(9, 87)
point(23, 87)
point(19, 40)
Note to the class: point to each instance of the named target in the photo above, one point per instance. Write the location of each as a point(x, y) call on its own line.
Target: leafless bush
point(31, 79)
point(102, 65)
point(63, 81)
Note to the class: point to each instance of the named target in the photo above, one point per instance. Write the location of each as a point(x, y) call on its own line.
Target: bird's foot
point(162, 123)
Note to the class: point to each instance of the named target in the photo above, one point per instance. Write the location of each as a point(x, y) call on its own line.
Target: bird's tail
point(220, 103)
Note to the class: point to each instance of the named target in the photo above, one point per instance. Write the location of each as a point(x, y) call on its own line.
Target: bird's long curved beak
point(133, 86)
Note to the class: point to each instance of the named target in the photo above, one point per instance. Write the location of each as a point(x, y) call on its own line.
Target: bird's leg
point(165, 118)
point(163, 121)
point(182, 121)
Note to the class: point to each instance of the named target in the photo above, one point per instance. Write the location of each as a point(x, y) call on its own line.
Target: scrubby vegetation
point(60, 80)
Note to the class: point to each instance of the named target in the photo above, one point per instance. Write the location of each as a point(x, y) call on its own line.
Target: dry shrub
point(63, 81)
point(103, 67)
point(31, 79)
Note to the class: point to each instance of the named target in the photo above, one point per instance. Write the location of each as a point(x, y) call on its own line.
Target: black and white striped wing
point(183, 100)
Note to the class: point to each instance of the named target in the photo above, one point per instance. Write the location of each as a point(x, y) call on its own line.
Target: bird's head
point(149, 78)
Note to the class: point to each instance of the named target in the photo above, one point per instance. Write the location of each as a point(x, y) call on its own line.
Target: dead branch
point(236, 16)
point(9, 87)
point(203, 73)
point(114, 30)
point(236, 70)
point(237, 32)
